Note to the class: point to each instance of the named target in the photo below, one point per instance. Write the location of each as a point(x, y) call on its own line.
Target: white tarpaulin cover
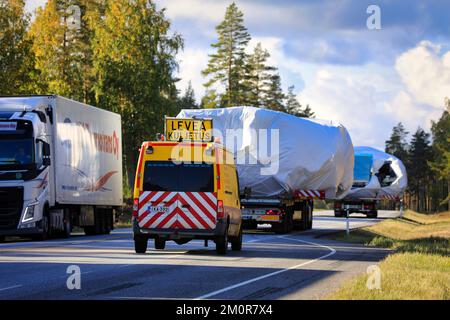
point(387, 179)
point(312, 154)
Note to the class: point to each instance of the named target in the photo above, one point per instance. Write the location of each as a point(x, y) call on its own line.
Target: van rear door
point(177, 196)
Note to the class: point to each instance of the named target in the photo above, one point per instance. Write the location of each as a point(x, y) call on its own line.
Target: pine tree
point(227, 65)
point(134, 59)
point(419, 173)
point(258, 76)
point(16, 58)
point(62, 34)
point(187, 101)
point(274, 99)
point(294, 107)
point(441, 153)
point(210, 100)
point(397, 144)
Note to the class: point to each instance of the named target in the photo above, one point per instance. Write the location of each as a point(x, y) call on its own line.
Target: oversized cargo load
point(377, 175)
point(300, 153)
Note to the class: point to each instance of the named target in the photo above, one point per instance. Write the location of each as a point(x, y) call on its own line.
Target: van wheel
point(236, 243)
point(222, 243)
point(310, 217)
point(140, 244)
point(160, 244)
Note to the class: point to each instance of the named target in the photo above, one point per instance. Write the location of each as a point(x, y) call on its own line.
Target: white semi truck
point(60, 167)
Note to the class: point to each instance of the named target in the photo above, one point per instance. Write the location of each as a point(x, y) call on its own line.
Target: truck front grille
point(11, 202)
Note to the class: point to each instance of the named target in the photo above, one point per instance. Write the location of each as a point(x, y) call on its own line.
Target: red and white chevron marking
point(389, 197)
point(310, 194)
point(185, 210)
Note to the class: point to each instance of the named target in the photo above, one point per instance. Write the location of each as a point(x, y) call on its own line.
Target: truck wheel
point(108, 217)
point(45, 224)
point(160, 244)
point(373, 214)
point(140, 244)
point(236, 243)
point(222, 243)
point(281, 227)
point(67, 224)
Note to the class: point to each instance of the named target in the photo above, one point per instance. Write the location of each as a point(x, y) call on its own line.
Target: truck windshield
point(16, 152)
point(167, 176)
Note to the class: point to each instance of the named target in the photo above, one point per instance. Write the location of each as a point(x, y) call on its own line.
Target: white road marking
point(12, 287)
point(332, 252)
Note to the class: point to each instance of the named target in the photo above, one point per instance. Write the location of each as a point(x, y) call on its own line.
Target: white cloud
point(369, 100)
point(426, 74)
point(339, 94)
point(191, 63)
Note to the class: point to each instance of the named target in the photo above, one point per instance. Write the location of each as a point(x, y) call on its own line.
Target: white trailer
point(60, 166)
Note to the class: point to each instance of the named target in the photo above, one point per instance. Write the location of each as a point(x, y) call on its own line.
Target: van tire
point(236, 243)
point(140, 244)
point(222, 243)
point(160, 244)
point(310, 216)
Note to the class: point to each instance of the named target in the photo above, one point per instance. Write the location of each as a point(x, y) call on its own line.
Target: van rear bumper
point(175, 234)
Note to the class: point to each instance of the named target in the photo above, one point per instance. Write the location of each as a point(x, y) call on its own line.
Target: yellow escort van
point(186, 190)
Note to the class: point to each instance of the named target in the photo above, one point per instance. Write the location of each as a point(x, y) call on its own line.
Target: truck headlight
point(29, 213)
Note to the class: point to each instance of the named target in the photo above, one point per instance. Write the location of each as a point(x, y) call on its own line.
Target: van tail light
point(135, 207)
point(220, 211)
point(337, 205)
point(368, 206)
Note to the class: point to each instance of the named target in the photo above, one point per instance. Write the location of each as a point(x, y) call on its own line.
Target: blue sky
point(368, 80)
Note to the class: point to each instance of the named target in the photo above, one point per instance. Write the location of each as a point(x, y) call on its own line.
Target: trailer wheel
point(108, 221)
point(140, 244)
point(160, 244)
point(236, 243)
point(222, 243)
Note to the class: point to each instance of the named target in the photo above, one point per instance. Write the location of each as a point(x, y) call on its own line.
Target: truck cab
point(183, 191)
point(24, 168)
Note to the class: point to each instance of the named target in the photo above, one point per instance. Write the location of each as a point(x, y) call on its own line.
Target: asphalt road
point(294, 266)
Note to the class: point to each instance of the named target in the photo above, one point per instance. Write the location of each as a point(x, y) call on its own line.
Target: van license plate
point(158, 209)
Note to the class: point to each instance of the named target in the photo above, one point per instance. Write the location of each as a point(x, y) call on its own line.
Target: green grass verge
point(420, 266)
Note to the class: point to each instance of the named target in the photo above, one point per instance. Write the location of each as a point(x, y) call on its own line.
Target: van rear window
point(168, 176)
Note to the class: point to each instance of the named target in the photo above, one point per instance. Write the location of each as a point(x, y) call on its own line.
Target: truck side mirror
point(46, 149)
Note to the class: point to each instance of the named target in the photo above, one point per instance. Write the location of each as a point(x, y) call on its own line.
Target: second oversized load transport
point(283, 162)
point(377, 176)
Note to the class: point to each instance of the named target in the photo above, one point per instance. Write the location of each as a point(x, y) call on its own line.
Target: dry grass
point(421, 267)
